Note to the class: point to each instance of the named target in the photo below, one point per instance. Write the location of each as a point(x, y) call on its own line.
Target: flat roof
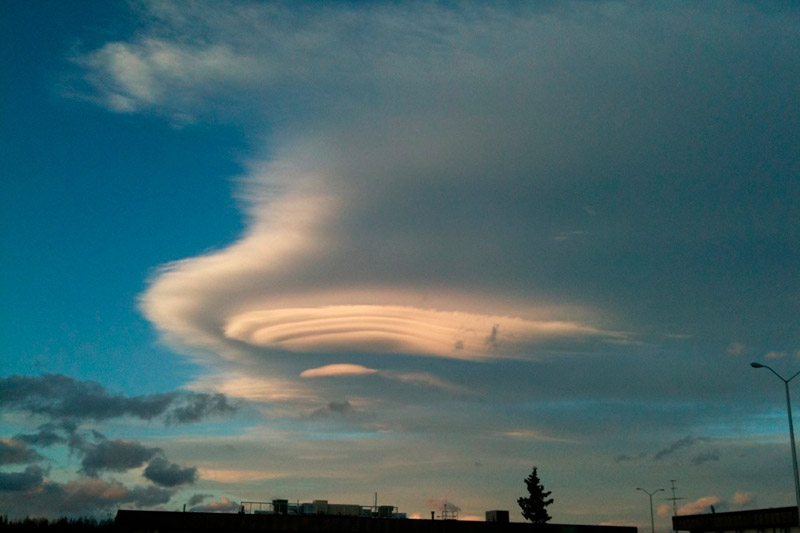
point(168, 521)
point(737, 520)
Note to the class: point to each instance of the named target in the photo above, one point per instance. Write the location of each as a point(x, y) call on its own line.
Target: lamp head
point(756, 365)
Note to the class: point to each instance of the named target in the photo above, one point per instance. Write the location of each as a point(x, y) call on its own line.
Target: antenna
point(674, 499)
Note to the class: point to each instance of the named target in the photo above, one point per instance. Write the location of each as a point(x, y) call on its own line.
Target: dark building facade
point(775, 520)
point(173, 522)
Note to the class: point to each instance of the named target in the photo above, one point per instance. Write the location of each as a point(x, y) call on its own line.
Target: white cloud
point(737, 348)
point(223, 505)
point(700, 505)
point(742, 498)
point(337, 370)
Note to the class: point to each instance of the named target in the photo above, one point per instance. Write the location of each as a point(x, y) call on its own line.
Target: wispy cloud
point(531, 435)
point(685, 442)
point(736, 348)
point(238, 476)
point(257, 388)
point(423, 379)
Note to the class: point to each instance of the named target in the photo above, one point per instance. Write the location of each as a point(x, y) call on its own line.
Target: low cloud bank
point(69, 406)
point(62, 397)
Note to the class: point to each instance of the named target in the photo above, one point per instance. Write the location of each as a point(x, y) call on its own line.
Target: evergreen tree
point(534, 505)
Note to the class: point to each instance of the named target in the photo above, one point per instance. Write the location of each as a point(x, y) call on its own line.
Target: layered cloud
point(395, 329)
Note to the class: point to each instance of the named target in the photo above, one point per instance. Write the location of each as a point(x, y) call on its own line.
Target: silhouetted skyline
point(257, 250)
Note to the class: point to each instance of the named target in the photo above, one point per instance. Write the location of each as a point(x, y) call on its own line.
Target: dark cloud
point(333, 409)
point(14, 451)
point(47, 434)
point(441, 505)
point(166, 474)
point(197, 498)
point(119, 455)
point(705, 457)
point(31, 478)
point(675, 446)
point(148, 496)
point(625, 458)
point(194, 407)
point(115, 456)
point(90, 496)
point(61, 397)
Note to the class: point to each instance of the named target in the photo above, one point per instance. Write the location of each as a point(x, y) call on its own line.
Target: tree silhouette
point(534, 505)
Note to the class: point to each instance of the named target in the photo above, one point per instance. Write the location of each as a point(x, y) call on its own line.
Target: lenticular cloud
point(393, 328)
point(402, 214)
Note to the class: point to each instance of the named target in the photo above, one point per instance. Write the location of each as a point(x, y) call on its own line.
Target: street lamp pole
point(652, 521)
point(791, 430)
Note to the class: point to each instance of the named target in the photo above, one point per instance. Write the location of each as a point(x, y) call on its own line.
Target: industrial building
point(320, 507)
point(174, 522)
point(774, 520)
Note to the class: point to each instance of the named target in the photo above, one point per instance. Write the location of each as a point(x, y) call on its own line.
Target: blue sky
point(319, 250)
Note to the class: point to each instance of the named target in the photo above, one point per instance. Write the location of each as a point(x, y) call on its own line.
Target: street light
point(650, 494)
point(791, 430)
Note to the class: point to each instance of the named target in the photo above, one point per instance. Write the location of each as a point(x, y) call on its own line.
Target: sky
point(328, 250)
